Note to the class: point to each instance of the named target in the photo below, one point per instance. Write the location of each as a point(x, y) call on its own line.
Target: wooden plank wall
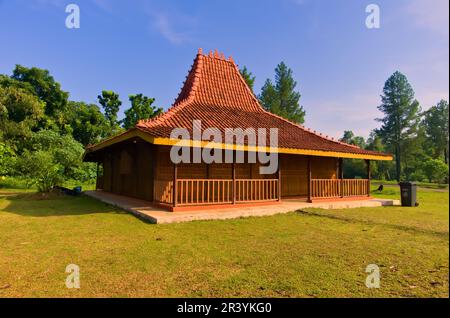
point(127, 170)
point(294, 171)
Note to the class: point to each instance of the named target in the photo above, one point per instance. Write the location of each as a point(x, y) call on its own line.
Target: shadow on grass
point(31, 204)
point(440, 234)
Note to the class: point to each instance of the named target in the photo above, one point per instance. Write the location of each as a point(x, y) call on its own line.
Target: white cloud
point(164, 26)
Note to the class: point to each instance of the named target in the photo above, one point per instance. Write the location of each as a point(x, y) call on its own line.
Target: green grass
point(312, 253)
point(420, 184)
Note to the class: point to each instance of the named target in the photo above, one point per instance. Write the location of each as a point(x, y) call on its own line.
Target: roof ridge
point(179, 104)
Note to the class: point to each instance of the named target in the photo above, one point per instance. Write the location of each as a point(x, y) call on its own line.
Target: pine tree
point(281, 98)
point(248, 77)
point(399, 125)
point(436, 127)
point(111, 104)
point(141, 108)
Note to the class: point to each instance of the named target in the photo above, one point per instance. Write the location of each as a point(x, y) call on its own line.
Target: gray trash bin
point(408, 192)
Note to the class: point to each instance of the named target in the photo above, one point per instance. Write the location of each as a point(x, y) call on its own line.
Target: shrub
point(435, 170)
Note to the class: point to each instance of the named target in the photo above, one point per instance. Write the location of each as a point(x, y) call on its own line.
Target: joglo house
point(218, 146)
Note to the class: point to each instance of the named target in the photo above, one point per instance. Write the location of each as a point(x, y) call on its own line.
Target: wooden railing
point(335, 188)
point(204, 191)
point(251, 190)
point(215, 191)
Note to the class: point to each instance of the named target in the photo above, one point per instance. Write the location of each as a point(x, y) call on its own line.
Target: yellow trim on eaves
point(214, 145)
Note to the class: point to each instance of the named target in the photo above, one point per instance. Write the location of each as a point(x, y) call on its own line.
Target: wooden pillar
point(341, 176)
point(279, 180)
point(96, 179)
point(175, 185)
point(369, 176)
point(233, 165)
point(309, 174)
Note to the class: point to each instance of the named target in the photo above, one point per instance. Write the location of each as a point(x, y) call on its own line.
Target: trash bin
point(408, 193)
point(77, 190)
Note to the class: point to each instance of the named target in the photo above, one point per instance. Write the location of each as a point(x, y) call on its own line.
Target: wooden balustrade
point(204, 191)
point(216, 191)
point(220, 191)
point(335, 188)
point(250, 190)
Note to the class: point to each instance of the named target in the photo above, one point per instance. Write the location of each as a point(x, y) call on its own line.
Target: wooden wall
point(294, 172)
point(128, 170)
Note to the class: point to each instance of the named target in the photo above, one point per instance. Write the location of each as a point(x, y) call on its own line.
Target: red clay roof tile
point(215, 93)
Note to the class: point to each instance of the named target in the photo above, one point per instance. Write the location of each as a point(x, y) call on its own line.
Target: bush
point(7, 159)
point(435, 170)
point(51, 159)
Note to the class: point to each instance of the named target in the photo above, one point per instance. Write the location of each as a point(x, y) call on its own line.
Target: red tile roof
point(215, 93)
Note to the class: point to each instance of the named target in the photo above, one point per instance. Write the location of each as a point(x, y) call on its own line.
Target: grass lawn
point(312, 253)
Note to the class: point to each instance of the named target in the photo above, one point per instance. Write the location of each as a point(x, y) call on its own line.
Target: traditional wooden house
point(137, 162)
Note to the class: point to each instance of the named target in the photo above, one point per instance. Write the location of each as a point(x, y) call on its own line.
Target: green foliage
point(51, 158)
point(435, 170)
point(46, 88)
point(111, 104)
point(41, 169)
point(7, 159)
point(141, 108)
point(436, 127)
point(248, 77)
point(281, 98)
point(20, 112)
point(88, 125)
point(401, 118)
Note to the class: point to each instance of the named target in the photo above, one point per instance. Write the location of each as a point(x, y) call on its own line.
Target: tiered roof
point(216, 93)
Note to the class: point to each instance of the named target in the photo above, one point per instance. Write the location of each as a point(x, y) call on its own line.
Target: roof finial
point(216, 53)
point(222, 56)
point(200, 51)
point(210, 54)
point(230, 58)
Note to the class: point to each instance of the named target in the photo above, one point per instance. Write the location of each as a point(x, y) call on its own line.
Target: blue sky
point(148, 46)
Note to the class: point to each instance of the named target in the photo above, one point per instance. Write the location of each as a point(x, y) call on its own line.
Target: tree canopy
point(280, 98)
point(141, 108)
point(401, 118)
point(248, 77)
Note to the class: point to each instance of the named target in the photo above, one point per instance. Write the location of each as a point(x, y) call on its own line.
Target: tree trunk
point(397, 162)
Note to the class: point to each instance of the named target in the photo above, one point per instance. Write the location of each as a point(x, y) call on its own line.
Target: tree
point(248, 77)
point(436, 128)
point(111, 104)
point(20, 112)
point(50, 159)
point(435, 170)
point(7, 158)
point(87, 123)
point(45, 87)
point(281, 98)
point(141, 108)
point(347, 137)
point(401, 116)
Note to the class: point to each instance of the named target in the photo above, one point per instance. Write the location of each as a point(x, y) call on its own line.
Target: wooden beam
point(369, 176)
point(279, 180)
point(341, 176)
point(175, 185)
point(234, 179)
point(309, 174)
